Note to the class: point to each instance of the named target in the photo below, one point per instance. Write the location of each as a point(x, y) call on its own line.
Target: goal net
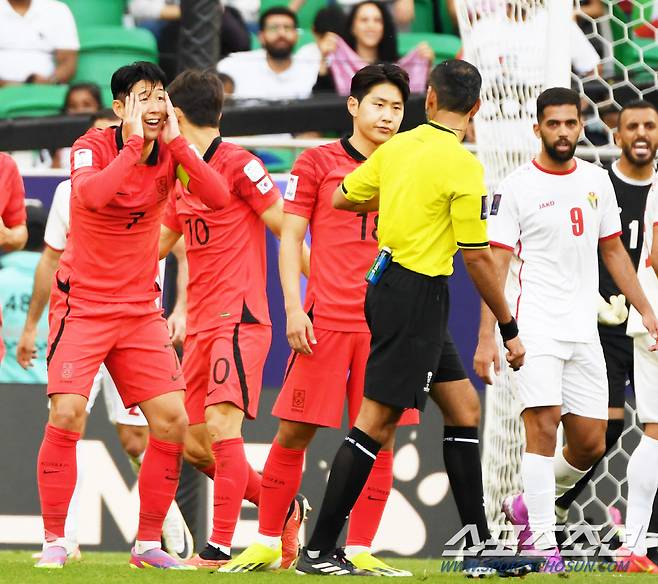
point(521, 47)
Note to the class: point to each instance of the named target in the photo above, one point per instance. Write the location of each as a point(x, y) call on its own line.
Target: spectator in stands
point(402, 11)
point(16, 278)
point(229, 87)
point(162, 18)
point(81, 98)
point(38, 42)
point(272, 72)
point(370, 37)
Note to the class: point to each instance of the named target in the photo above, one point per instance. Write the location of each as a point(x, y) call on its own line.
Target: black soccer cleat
point(330, 564)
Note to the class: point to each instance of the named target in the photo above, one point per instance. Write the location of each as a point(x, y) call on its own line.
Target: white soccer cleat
point(176, 536)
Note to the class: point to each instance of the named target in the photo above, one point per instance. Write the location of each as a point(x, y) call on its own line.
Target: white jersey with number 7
point(553, 223)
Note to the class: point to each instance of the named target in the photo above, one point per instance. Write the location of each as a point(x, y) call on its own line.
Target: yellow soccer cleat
point(373, 566)
point(256, 557)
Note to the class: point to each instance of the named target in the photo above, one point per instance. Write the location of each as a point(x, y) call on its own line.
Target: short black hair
point(636, 104)
point(554, 96)
point(200, 95)
point(329, 19)
point(276, 11)
point(36, 224)
point(457, 85)
point(92, 88)
point(125, 78)
point(387, 49)
point(365, 79)
point(106, 113)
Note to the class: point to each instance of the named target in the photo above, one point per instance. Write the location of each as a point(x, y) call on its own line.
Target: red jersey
point(225, 249)
point(343, 244)
point(111, 253)
point(12, 201)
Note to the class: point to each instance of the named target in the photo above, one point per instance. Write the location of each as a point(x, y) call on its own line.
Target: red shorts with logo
point(130, 338)
point(225, 364)
point(315, 386)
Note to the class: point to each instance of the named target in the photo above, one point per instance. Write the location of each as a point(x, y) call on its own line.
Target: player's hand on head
point(176, 324)
point(612, 313)
point(26, 349)
point(299, 330)
point(515, 353)
point(171, 130)
point(132, 116)
point(486, 354)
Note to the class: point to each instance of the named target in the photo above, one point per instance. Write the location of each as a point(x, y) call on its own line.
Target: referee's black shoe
point(330, 564)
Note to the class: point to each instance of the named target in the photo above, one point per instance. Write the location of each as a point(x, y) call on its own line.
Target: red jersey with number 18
point(343, 244)
point(226, 249)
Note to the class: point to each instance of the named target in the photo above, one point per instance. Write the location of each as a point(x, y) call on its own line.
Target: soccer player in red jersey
point(13, 233)
point(121, 178)
point(228, 322)
point(328, 333)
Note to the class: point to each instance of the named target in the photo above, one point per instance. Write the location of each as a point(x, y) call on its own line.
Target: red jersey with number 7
point(225, 249)
point(343, 244)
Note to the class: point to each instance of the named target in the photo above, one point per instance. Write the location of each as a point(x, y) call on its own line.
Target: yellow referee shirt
point(432, 197)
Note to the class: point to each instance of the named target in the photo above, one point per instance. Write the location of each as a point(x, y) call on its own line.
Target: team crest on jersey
point(593, 200)
point(265, 185)
point(162, 186)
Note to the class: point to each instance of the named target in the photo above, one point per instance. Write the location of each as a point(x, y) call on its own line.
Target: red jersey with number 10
point(225, 249)
point(343, 244)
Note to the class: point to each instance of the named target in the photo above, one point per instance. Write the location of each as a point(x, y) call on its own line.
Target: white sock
point(270, 541)
point(355, 550)
point(59, 542)
point(642, 485)
point(141, 547)
point(539, 497)
point(136, 462)
point(566, 475)
point(73, 513)
point(222, 548)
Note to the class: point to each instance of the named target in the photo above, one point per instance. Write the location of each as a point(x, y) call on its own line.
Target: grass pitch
point(112, 568)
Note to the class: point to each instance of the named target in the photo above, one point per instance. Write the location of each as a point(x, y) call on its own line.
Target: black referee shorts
point(618, 355)
point(407, 314)
point(451, 367)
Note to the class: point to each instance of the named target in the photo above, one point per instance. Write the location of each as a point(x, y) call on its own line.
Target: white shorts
point(645, 372)
point(117, 413)
point(563, 373)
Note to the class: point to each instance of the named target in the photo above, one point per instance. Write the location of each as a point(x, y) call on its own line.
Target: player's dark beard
point(278, 52)
point(557, 155)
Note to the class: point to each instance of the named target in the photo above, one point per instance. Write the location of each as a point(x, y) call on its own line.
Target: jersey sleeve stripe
point(53, 248)
point(611, 236)
point(342, 186)
point(501, 245)
point(473, 245)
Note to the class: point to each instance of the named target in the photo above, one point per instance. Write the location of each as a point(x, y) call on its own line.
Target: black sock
point(612, 435)
point(349, 473)
point(461, 456)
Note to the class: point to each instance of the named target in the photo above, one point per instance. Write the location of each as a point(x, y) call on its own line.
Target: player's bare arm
point(339, 201)
point(12, 238)
point(168, 238)
point(618, 262)
point(299, 328)
point(176, 323)
point(485, 272)
point(43, 276)
point(273, 218)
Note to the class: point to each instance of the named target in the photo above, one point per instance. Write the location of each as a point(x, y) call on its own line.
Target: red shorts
point(225, 364)
point(315, 386)
point(131, 339)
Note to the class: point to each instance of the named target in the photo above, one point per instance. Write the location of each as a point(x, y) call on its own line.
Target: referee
point(431, 198)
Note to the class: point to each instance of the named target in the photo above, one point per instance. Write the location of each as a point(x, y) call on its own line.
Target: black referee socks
point(461, 456)
point(349, 473)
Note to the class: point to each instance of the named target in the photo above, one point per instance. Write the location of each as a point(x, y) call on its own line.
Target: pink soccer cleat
point(156, 558)
point(633, 563)
point(53, 558)
point(517, 514)
point(290, 544)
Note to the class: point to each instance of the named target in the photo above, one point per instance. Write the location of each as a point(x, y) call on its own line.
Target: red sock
point(369, 508)
point(158, 481)
point(252, 492)
point(282, 476)
point(209, 471)
point(57, 472)
point(231, 478)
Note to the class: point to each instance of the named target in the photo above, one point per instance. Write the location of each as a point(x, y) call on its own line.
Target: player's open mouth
point(153, 122)
point(641, 148)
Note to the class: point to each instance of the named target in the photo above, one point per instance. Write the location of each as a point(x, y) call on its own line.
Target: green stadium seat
point(445, 46)
point(103, 49)
point(97, 12)
point(423, 16)
point(31, 100)
point(306, 14)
